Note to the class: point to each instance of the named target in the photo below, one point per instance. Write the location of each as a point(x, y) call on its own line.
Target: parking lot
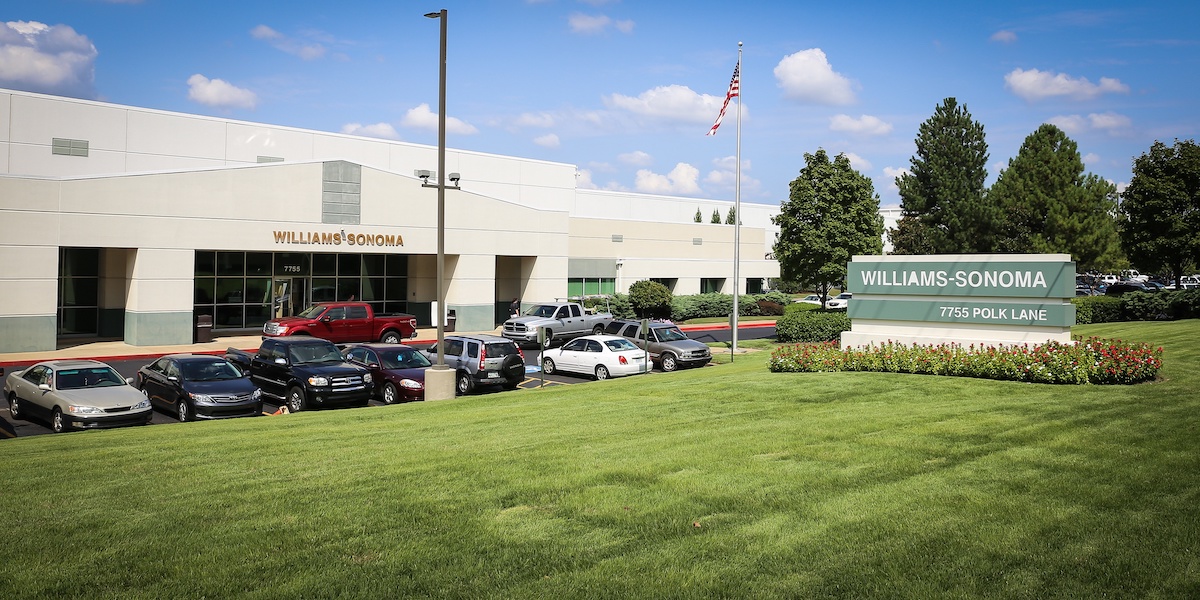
point(128, 367)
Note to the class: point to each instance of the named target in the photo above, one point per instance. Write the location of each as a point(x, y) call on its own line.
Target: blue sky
point(626, 90)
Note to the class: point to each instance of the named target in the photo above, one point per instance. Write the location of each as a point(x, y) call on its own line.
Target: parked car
point(810, 299)
point(1124, 287)
point(1083, 290)
point(199, 386)
point(481, 359)
point(669, 347)
point(75, 394)
point(305, 372)
point(561, 320)
point(397, 370)
point(342, 322)
point(839, 301)
point(601, 356)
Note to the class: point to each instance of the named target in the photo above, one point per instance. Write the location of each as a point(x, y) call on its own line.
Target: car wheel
point(548, 366)
point(390, 395)
point(183, 411)
point(669, 363)
point(597, 330)
point(549, 339)
point(390, 337)
point(464, 384)
point(14, 407)
point(601, 372)
point(295, 399)
point(57, 423)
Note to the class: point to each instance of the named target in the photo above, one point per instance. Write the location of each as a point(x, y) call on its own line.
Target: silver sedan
point(75, 394)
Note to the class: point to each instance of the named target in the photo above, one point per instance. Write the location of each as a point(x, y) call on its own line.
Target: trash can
point(450, 319)
point(204, 329)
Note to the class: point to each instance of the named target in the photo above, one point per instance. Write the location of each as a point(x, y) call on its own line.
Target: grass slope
point(727, 481)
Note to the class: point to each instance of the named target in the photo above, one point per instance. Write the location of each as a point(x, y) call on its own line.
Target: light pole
point(439, 381)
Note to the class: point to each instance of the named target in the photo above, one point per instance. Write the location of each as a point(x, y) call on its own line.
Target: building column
point(158, 305)
point(28, 298)
point(470, 289)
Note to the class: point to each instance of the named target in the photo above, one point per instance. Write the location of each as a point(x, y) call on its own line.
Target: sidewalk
point(119, 350)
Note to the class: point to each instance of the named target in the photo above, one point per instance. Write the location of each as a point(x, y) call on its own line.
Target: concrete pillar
point(28, 298)
point(158, 304)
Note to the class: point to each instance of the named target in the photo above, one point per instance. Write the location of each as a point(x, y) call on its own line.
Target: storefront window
point(231, 290)
point(324, 264)
point(258, 263)
point(231, 263)
point(206, 263)
point(373, 265)
point(349, 265)
point(78, 290)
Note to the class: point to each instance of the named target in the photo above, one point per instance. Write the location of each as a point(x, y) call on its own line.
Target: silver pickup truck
point(562, 320)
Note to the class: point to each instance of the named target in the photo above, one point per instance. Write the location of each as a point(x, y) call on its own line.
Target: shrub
point(768, 308)
point(800, 307)
point(811, 326)
point(1096, 309)
point(650, 299)
point(776, 297)
point(1143, 306)
point(618, 304)
point(1084, 361)
point(1183, 304)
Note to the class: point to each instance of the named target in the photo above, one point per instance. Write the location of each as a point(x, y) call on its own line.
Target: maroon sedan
point(398, 370)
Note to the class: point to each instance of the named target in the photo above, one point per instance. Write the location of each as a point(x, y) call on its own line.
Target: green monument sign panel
point(996, 279)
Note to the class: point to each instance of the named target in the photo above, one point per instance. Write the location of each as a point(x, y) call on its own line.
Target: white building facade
point(129, 223)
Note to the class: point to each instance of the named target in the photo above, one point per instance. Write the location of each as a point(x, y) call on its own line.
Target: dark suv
point(1123, 287)
point(481, 359)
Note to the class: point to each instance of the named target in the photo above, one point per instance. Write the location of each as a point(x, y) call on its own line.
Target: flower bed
point(1092, 360)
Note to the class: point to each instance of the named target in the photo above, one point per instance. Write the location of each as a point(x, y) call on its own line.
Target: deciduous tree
point(831, 214)
point(1050, 205)
point(1160, 209)
point(944, 209)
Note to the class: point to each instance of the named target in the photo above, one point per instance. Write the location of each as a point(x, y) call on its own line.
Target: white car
point(75, 394)
point(602, 356)
point(810, 299)
point(839, 301)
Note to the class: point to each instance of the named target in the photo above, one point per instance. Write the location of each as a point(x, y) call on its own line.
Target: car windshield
point(669, 334)
point(619, 345)
point(77, 379)
point(314, 353)
point(312, 312)
point(210, 370)
point(541, 310)
point(403, 359)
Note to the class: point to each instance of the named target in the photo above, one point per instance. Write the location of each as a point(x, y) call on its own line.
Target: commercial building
point(130, 223)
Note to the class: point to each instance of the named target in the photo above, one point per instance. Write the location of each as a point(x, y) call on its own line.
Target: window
point(356, 312)
point(711, 285)
point(575, 345)
point(594, 346)
point(472, 349)
point(78, 290)
point(575, 311)
point(631, 331)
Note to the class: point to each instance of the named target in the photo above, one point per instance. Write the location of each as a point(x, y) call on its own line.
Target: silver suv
point(670, 347)
point(481, 359)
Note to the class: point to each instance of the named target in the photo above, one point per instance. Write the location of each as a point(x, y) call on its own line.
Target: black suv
point(481, 359)
point(1123, 287)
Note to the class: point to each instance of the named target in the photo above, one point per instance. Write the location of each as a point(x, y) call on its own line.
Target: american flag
point(734, 89)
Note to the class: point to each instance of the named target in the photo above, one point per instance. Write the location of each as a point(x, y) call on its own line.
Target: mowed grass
point(727, 481)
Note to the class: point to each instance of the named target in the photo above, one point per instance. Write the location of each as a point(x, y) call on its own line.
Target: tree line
point(1042, 202)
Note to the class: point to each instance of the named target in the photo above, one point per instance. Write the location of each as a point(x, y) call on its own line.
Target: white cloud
point(583, 180)
point(1033, 85)
point(596, 24)
point(48, 59)
point(673, 103)
point(723, 177)
point(636, 158)
point(286, 44)
point(535, 120)
point(892, 173)
point(1111, 122)
point(219, 93)
point(378, 130)
point(681, 180)
point(864, 125)
point(1004, 36)
point(421, 117)
point(1121, 185)
point(1091, 158)
point(859, 163)
point(807, 76)
point(547, 141)
point(729, 162)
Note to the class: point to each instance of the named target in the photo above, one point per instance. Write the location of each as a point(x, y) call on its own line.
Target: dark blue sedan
point(199, 386)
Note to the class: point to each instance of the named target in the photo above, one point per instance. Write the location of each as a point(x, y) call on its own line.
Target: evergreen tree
point(1051, 206)
point(716, 218)
point(944, 209)
point(831, 214)
point(730, 217)
point(699, 218)
point(1161, 209)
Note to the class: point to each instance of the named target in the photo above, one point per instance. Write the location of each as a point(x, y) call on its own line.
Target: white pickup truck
point(562, 321)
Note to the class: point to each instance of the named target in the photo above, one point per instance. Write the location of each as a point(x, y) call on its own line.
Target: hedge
point(803, 325)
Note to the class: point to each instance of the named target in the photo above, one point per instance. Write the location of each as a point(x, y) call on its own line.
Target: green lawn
point(726, 481)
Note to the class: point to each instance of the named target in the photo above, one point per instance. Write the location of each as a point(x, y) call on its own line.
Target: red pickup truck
point(341, 322)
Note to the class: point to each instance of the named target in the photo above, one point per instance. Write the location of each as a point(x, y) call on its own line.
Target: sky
point(626, 90)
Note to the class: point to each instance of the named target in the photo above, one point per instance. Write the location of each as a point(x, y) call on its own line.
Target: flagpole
point(737, 216)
